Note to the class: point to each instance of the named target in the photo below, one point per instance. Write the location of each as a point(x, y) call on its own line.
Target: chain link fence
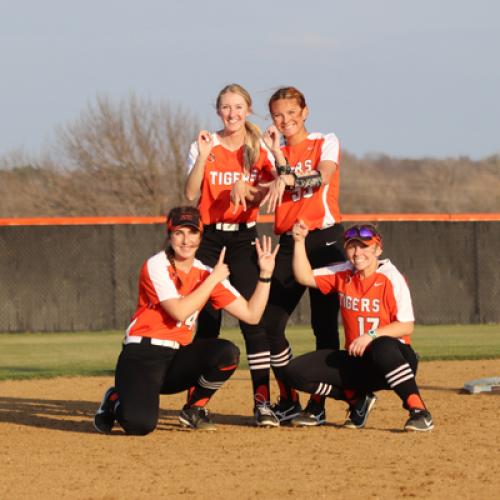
point(69, 278)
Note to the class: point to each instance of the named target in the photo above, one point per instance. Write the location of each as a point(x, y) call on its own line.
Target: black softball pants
point(241, 257)
point(323, 246)
point(386, 364)
point(145, 371)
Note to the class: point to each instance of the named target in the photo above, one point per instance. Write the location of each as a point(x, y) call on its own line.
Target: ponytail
point(252, 145)
point(170, 256)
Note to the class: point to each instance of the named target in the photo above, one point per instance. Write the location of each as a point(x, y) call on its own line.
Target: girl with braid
point(378, 321)
point(158, 356)
point(225, 169)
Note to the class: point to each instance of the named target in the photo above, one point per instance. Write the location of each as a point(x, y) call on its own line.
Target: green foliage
point(42, 355)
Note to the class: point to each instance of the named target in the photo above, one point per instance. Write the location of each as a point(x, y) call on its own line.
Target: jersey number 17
point(366, 324)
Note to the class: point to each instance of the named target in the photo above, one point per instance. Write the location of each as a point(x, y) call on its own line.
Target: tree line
point(129, 158)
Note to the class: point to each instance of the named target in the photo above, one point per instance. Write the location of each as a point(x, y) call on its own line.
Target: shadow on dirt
point(77, 416)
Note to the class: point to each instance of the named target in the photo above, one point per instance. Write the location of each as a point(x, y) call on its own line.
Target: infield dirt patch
point(50, 449)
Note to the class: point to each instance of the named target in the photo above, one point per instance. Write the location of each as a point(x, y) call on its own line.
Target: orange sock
point(200, 403)
point(414, 401)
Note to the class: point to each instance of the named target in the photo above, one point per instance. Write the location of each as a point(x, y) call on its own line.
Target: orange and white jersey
point(222, 169)
point(374, 302)
point(159, 281)
point(318, 207)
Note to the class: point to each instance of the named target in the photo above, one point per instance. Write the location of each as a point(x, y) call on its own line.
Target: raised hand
point(272, 139)
point(221, 269)
point(266, 255)
point(205, 142)
point(299, 231)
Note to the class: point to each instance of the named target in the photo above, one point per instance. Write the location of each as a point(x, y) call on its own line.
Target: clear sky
point(399, 77)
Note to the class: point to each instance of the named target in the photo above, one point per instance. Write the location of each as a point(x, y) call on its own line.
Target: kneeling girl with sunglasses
point(378, 319)
point(158, 355)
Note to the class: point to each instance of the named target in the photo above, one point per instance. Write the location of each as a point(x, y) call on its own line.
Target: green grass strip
point(42, 355)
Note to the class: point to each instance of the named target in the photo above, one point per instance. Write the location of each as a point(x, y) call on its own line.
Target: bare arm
point(276, 188)
point(251, 311)
point(302, 269)
point(327, 169)
point(181, 308)
point(248, 195)
point(192, 187)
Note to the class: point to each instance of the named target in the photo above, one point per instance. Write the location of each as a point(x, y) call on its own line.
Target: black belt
point(230, 227)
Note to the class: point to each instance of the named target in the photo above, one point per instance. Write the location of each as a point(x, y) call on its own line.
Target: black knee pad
point(229, 353)
point(137, 424)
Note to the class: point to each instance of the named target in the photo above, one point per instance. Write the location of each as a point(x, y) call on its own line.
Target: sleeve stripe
point(164, 287)
point(331, 149)
point(401, 291)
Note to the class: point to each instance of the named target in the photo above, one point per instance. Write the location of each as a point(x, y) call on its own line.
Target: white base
point(483, 385)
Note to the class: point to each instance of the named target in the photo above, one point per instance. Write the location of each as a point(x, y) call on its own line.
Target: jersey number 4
point(189, 322)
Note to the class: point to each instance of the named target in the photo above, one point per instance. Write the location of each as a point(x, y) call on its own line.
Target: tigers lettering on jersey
point(222, 169)
point(318, 207)
point(373, 302)
point(158, 282)
point(359, 304)
point(229, 178)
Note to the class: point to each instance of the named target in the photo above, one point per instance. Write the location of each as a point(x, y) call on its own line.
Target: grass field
point(41, 355)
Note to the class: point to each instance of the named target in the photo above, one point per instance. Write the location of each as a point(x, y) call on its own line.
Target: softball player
point(378, 320)
point(158, 356)
point(307, 188)
point(225, 169)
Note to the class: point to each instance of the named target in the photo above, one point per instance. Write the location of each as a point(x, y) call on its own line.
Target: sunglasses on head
point(362, 232)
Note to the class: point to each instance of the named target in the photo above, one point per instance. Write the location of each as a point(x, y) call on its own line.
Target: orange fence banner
point(396, 217)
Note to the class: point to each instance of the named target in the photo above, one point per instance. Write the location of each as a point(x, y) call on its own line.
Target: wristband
point(264, 280)
point(313, 180)
point(284, 169)
point(371, 332)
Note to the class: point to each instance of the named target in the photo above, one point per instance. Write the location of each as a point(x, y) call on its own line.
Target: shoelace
point(263, 406)
point(265, 409)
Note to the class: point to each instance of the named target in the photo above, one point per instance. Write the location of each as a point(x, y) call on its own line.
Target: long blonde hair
point(252, 132)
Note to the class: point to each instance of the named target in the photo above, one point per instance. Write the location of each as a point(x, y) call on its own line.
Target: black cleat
point(196, 417)
point(264, 416)
point(420, 421)
point(313, 415)
point(105, 417)
point(357, 414)
point(285, 409)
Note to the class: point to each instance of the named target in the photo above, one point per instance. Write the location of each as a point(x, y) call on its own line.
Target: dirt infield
point(50, 450)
